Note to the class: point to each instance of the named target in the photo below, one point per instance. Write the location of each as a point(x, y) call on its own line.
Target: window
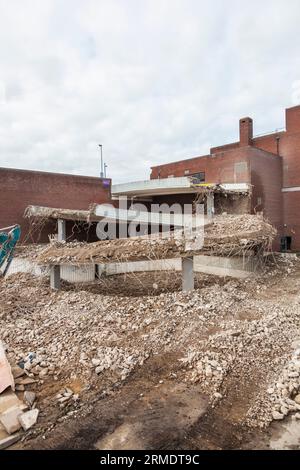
point(285, 244)
point(198, 177)
point(186, 172)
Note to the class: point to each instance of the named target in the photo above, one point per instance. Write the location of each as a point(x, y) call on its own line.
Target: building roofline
point(41, 172)
point(182, 160)
point(293, 107)
point(226, 148)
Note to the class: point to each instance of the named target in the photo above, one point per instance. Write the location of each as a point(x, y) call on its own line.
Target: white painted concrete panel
point(77, 273)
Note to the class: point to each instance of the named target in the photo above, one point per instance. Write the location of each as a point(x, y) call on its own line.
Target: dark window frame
point(198, 177)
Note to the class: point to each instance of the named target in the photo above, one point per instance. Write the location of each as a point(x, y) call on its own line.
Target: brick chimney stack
point(246, 131)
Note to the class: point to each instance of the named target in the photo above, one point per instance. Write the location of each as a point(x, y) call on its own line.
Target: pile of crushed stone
point(235, 339)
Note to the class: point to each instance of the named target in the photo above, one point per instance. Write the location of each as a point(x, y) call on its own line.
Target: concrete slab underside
point(237, 267)
point(220, 266)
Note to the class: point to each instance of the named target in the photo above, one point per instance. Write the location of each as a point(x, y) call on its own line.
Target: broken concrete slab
point(6, 377)
point(225, 236)
point(9, 419)
point(9, 399)
point(25, 381)
point(3, 433)
point(28, 419)
point(8, 441)
point(17, 372)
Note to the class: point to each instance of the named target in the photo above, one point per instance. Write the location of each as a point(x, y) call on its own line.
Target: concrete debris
point(297, 399)
point(6, 377)
point(118, 360)
point(29, 398)
point(283, 395)
point(236, 340)
point(8, 441)
point(28, 419)
point(277, 416)
point(8, 399)
point(17, 372)
point(40, 212)
point(225, 235)
point(10, 419)
point(25, 381)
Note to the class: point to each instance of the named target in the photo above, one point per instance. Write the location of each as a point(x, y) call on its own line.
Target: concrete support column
point(210, 203)
point(187, 274)
point(55, 277)
point(61, 230)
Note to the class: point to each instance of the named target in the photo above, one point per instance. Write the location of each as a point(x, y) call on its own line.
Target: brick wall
point(286, 144)
point(266, 178)
point(225, 167)
point(291, 205)
point(276, 167)
point(20, 188)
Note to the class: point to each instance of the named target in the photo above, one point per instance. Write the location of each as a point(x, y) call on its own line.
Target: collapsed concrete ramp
point(225, 236)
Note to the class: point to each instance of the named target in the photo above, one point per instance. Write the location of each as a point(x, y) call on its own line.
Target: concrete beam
point(187, 274)
point(61, 230)
point(55, 277)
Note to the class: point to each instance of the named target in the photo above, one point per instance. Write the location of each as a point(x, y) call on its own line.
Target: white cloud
point(152, 80)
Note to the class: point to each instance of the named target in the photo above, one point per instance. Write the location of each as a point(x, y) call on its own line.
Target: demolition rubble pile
point(28, 252)
point(15, 413)
point(226, 235)
point(237, 341)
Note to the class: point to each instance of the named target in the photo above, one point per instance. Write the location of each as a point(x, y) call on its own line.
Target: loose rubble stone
point(29, 398)
point(17, 372)
point(25, 381)
point(9, 419)
point(96, 362)
point(277, 416)
point(28, 419)
point(297, 399)
point(43, 373)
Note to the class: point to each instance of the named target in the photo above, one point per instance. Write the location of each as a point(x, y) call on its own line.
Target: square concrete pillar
point(187, 274)
point(210, 204)
point(61, 230)
point(55, 277)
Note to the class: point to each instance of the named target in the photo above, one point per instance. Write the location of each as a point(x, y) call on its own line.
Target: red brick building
point(270, 163)
point(21, 188)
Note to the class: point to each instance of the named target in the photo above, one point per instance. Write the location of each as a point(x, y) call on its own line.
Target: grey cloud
point(153, 81)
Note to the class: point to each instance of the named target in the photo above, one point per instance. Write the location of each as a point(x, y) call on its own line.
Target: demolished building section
point(227, 236)
point(228, 347)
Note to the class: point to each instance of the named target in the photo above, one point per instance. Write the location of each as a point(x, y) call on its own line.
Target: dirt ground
point(198, 366)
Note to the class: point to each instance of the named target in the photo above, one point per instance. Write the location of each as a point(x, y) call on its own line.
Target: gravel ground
point(238, 342)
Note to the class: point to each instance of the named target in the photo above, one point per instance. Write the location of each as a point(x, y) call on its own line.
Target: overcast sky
point(154, 81)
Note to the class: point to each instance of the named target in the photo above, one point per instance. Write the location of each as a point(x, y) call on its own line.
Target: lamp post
point(101, 172)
